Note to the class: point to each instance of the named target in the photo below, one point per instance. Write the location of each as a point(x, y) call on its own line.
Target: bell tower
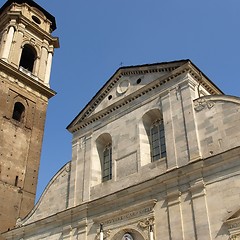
point(26, 50)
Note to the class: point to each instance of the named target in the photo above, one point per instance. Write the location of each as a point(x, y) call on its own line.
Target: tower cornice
point(32, 4)
point(19, 18)
point(27, 80)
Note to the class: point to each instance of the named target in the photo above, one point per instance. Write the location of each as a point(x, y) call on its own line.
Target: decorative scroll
point(235, 237)
point(145, 223)
point(200, 104)
point(19, 222)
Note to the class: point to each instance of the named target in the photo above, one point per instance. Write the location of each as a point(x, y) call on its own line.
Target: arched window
point(107, 163)
point(28, 57)
point(104, 148)
point(152, 136)
point(157, 141)
point(18, 111)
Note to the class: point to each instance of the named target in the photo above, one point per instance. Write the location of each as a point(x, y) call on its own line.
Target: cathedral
point(155, 153)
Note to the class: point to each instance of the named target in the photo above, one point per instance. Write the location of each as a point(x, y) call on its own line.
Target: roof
point(32, 4)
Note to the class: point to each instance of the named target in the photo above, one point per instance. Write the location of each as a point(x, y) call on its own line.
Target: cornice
point(34, 28)
point(81, 212)
point(114, 80)
point(29, 3)
point(171, 73)
point(28, 81)
point(130, 98)
point(122, 212)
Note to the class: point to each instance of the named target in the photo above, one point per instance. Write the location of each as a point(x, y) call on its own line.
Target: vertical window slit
point(16, 181)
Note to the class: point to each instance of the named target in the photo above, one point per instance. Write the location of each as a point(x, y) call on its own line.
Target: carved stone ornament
point(145, 223)
point(68, 167)
point(106, 234)
point(200, 104)
point(123, 86)
point(235, 237)
point(19, 222)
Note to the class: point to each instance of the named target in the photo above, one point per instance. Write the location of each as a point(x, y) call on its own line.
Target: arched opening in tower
point(18, 111)
point(28, 58)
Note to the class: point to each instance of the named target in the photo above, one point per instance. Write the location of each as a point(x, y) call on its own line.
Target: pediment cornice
point(14, 75)
point(171, 70)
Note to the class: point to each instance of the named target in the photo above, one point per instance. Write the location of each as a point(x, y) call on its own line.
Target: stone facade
point(190, 192)
point(25, 62)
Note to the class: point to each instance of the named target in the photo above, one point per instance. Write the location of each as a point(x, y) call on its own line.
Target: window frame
point(107, 163)
point(157, 141)
point(28, 58)
point(18, 112)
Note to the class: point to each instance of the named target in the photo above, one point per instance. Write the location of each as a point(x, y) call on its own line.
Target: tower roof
point(32, 4)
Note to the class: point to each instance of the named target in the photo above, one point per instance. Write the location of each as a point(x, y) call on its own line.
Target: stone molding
point(202, 103)
point(24, 81)
point(173, 197)
point(146, 223)
point(62, 172)
point(171, 73)
point(197, 188)
point(120, 104)
point(210, 100)
point(138, 218)
point(137, 211)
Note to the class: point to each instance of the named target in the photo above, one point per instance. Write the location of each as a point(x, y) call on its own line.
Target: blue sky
point(97, 36)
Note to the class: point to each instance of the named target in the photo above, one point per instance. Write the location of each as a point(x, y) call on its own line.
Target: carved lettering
point(129, 215)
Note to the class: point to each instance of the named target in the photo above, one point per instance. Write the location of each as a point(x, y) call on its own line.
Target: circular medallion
point(123, 86)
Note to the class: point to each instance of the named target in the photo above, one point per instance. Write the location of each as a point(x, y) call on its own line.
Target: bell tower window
point(18, 112)
point(28, 57)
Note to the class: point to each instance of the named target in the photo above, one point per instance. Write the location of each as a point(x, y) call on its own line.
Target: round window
point(36, 19)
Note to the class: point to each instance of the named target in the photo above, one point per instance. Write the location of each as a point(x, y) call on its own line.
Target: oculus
point(36, 19)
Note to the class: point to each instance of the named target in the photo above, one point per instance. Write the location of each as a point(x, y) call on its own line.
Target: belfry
point(26, 51)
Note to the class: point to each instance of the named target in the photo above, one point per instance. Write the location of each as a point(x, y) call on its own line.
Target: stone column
point(18, 39)
point(8, 43)
point(43, 61)
point(36, 66)
point(48, 69)
point(3, 37)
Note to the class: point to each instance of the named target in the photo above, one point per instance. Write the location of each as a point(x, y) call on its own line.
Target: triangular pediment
point(127, 82)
